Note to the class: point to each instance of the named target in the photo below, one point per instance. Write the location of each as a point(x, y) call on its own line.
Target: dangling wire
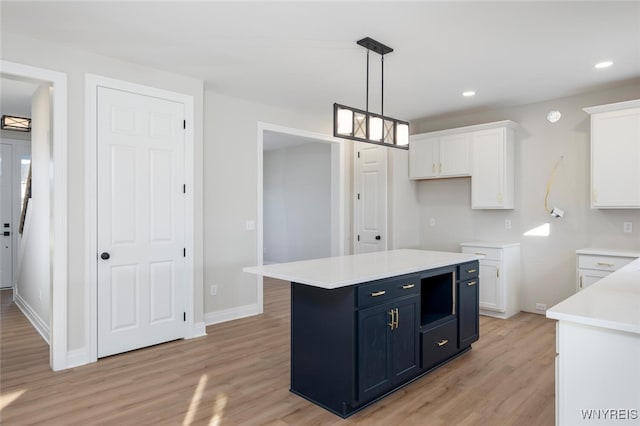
point(551, 179)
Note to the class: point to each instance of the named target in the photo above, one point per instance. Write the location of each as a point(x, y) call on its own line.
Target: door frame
point(338, 237)
point(92, 82)
point(58, 351)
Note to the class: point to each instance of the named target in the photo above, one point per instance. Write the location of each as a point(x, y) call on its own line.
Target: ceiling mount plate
point(370, 44)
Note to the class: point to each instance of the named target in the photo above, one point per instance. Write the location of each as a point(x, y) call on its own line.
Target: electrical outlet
point(541, 307)
point(213, 290)
point(250, 225)
point(627, 227)
point(507, 224)
point(432, 221)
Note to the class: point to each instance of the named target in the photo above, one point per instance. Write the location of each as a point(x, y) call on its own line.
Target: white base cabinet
point(597, 375)
point(595, 264)
point(615, 155)
point(499, 277)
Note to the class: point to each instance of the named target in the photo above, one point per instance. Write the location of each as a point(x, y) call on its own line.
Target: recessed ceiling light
point(468, 93)
point(553, 116)
point(604, 64)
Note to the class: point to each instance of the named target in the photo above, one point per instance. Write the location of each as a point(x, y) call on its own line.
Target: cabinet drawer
point(439, 343)
point(603, 263)
point(469, 271)
point(487, 252)
point(384, 290)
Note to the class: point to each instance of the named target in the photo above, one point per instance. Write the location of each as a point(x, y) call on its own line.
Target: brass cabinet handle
point(433, 168)
point(471, 271)
point(442, 342)
point(481, 254)
point(580, 281)
point(610, 265)
point(397, 317)
point(440, 169)
point(408, 286)
point(470, 283)
point(393, 322)
point(378, 293)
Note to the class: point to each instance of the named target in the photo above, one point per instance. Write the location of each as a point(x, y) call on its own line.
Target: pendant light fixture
point(364, 126)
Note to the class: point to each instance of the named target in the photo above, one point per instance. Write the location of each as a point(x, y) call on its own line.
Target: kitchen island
point(598, 346)
point(362, 326)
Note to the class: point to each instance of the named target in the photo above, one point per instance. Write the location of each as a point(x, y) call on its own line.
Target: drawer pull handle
point(408, 286)
point(610, 265)
point(471, 271)
point(470, 283)
point(442, 342)
point(378, 293)
point(481, 254)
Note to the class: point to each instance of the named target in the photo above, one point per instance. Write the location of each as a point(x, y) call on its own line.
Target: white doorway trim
point(338, 240)
point(92, 82)
point(58, 310)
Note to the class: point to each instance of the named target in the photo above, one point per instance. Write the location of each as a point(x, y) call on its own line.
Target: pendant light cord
point(367, 104)
point(382, 86)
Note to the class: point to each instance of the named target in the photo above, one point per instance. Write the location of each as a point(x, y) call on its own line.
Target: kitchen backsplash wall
point(548, 262)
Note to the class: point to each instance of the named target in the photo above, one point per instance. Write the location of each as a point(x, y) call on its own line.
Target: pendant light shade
point(364, 126)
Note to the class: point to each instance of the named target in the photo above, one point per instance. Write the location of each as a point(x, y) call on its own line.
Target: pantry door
point(141, 221)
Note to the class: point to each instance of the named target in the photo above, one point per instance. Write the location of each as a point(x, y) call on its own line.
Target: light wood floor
point(239, 375)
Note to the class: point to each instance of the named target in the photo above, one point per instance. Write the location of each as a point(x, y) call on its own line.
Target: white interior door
point(141, 230)
point(371, 198)
point(6, 231)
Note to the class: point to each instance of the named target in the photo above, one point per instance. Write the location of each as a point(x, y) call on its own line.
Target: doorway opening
point(301, 206)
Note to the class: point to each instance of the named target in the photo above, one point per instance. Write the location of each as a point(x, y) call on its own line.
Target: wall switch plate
point(213, 290)
point(507, 224)
point(627, 227)
point(251, 225)
point(432, 221)
point(541, 307)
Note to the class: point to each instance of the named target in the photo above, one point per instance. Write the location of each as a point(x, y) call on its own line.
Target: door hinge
point(184, 188)
point(358, 196)
point(184, 124)
point(184, 316)
point(184, 252)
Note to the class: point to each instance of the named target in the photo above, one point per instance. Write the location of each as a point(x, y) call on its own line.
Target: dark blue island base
point(353, 345)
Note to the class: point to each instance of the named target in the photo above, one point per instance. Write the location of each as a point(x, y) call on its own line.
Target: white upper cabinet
point(492, 169)
point(615, 155)
point(484, 151)
point(432, 157)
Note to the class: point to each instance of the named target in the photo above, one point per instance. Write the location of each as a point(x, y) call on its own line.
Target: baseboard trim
point(199, 330)
point(77, 357)
point(41, 327)
point(225, 315)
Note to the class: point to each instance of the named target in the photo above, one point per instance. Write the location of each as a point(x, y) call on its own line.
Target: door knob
point(378, 237)
point(105, 255)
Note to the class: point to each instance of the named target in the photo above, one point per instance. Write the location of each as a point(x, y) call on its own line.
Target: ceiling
point(303, 55)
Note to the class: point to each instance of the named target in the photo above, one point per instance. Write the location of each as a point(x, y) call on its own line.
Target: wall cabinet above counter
point(484, 151)
point(615, 155)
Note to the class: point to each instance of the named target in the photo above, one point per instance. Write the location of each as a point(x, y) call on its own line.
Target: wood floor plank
point(239, 375)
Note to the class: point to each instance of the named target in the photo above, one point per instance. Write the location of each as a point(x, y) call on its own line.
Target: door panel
point(371, 199)
point(374, 370)
point(405, 344)
point(490, 290)
point(6, 187)
point(140, 221)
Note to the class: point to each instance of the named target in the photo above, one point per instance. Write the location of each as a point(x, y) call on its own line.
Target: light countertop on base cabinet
point(598, 347)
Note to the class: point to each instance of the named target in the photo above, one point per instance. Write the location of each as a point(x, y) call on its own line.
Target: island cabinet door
point(388, 346)
point(468, 312)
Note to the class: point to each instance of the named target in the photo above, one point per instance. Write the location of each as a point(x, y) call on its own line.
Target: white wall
point(76, 64)
point(33, 286)
point(548, 263)
point(297, 203)
point(230, 180)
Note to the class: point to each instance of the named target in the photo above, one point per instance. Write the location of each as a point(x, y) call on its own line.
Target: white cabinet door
point(454, 155)
point(615, 159)
point(491, 174)
point(423, 158)
point(491, 291)
point(586, 277)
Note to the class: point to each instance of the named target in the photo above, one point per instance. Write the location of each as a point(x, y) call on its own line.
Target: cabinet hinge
point(184, 124)
point(184, 316)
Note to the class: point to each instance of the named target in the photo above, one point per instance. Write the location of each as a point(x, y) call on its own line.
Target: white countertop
point(609, 252)
point(342, 271)
point(613, 302)
point(489, 244)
